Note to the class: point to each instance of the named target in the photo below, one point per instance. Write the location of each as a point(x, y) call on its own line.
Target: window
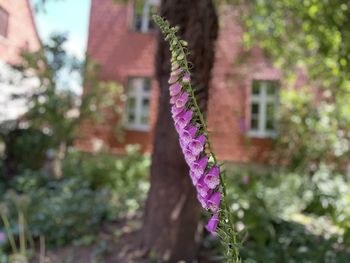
point(143, 11)
point(4, 17)
point(263, 108)
point(138, 103)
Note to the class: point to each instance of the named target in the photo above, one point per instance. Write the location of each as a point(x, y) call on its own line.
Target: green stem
point(227, 215)
point(22, 239)
point(9, 233)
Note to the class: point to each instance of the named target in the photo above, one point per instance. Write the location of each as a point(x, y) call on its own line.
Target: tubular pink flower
point(175, 89)
point(184, 119)
point(186, 78)
point(173, 79)
point(187, 134)
point(214, 202)
point(176, 111)
point(197, 145)
point(189, 157)
point(202, 188)
point(176, 72)
point(174, 66)
point(212, 177)
point(193, 178)
point(181, 100)
point(213, 223)
point(203, 201)
point(199, 166)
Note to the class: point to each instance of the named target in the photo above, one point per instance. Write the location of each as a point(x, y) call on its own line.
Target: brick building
point(17, 33)
point(243, 96)
point(17, 30)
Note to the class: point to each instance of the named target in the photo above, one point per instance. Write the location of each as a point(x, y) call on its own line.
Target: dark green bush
point(291, 218)
point(93, 189)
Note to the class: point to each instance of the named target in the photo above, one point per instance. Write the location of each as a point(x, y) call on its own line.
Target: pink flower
point(193, 178)
point(197, 145)
point(183, 119)
point(212, 178)
point(202, 188)
point(187, 134)
point(213, 223)
point(173, 79)
point(189, 157)
point(199, 166)
point(186, 78)
point(181, 100)
point(176, 111)
point(175, 89)
point(203, 201)
point(214, 202)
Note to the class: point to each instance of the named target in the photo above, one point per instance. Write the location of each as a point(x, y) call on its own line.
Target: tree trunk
point(172, 211)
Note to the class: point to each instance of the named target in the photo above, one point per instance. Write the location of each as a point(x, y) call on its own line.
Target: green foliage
point(310, 133)
point(94, 189)
point(291, 218)
point(26, 148)
point(54, 108)
point(125, 176)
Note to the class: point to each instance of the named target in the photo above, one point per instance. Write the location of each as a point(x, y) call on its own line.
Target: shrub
point(291, 218)
point(93, 189)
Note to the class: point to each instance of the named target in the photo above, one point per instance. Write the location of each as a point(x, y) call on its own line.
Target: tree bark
point(172, 211)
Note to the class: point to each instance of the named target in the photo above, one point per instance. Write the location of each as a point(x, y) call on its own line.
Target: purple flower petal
point(202, 188)
point(174, 98)
point(176, 111)
point(212, 178)
point(197, 145)
point(175, 89)
point(173, 79)
point(214, 201)
point(193, 178)
point(174, 66)
point(212, 223)
point(176, 72)
point(189, 157)
point(199, 166)
point(186, 78)
point(181, 100)
point(184, 119)
point(188, 134)
point(203, 201)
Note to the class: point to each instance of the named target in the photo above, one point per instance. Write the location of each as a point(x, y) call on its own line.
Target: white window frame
point(6, 22)
point(145, 19)
point(262, 99)
point(139, 94)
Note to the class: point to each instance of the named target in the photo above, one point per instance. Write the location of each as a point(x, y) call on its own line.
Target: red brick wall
point(21, 31)
point(123, 53)
point(228, 111)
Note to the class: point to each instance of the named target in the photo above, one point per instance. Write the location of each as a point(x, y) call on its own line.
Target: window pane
point(137, 21)
point(143, 11)
point(254, 124)
point(153, 10)
point(271, 87)
point(255, 108)
point(130, 110)
point(256, 87)
point(270, 124)
point(145, 111)
point(270, 111)
point(131, 117)
point(146, 85)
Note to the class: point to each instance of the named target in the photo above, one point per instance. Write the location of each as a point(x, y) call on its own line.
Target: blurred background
point(80, 89)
